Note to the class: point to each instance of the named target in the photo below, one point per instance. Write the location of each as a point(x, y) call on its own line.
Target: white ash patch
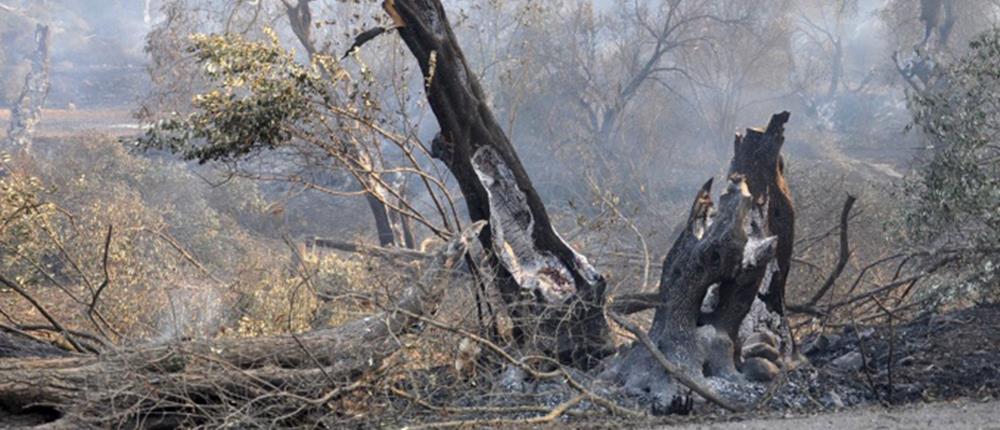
point(699, 227)
point(759, 319)
point(740, 392)
point(711, 300)
point(756, 249)
point(704, 222)
point(765, 281)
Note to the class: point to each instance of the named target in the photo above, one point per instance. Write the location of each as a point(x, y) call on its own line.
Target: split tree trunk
point(555, 296)
point(730, 249)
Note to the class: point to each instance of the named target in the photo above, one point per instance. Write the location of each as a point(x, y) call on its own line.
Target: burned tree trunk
point(555, 296)
point(383, 227)
point(711, 277)
point(716, 248)
point(937, 15)
point(26, 113)
point(757, 156)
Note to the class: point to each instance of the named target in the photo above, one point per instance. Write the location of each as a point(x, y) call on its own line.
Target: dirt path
point(960, 415)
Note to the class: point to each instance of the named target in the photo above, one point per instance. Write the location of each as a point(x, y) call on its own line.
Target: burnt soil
point(936, 359)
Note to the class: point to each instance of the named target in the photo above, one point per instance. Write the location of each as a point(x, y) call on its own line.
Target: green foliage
point(304, 121)
point(259, 94)
point(957, 192)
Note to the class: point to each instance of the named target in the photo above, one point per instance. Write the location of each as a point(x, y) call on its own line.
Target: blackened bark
point(757, 156)
point(937, 15)
point(736, 248)
point(555, 295)
point(716, 247)
point(300, 17)
point(383, 227)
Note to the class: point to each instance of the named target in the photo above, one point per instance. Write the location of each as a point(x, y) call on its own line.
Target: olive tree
point(957, 189)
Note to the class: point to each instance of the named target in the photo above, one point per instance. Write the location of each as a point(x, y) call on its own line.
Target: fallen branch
point(560, 370)
point(893, 285)
point(359, 248)
point(189, 383)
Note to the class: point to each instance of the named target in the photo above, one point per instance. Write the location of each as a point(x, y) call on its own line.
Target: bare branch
point(842, 259)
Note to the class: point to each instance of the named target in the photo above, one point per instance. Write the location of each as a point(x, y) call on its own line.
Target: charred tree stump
point(710, 283)
point(717, 247)
point(757, 156)
point(555, 297)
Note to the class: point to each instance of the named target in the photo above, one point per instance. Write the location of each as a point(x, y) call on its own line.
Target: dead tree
point(555, 296)
point(728, 248)
point(740, 248)
point(710, 282)
point(757, 156)
point(921, 68)
point(26, 113)
point(937, 15)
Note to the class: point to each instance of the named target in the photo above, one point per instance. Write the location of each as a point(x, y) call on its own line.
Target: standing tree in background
point(957, 190)
point(27, 111)
point(392, 227)
point(347, 156)
point(265, 112)
point(604, 62)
